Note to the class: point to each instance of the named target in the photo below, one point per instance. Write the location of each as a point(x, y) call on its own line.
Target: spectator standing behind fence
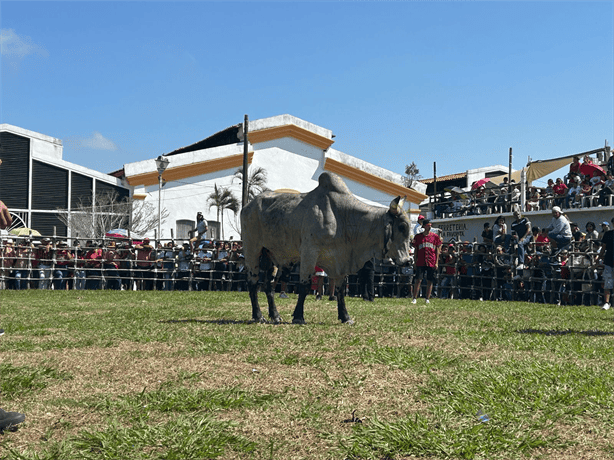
point(559, 230)
point(145, 257)
point(44, 259)
point(428, 247)
point(78, 266)
point(22, 264)
point(93, 264)
point(487, 234)
point(63, 259)
point(184, 259)
point(221, 266)
point(604, 228)
point(205, 257)
point(448, 272)
point(366, 278)
point(418, 227)
point(111, 266)
point(607, 251)
point(522, 228)
point(7, 260)
point(166, 259)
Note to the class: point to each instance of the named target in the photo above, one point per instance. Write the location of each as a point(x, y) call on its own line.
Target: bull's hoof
point(277, 320)
point(349, 321)
point(298, 321)
point(260, 320)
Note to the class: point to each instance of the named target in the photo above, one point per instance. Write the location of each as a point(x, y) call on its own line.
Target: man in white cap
point(418, 227)
point(559, 229)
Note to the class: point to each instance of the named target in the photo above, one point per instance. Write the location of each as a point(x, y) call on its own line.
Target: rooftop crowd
point(587, 184)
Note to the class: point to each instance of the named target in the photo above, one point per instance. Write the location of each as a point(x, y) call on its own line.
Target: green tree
point(223, 199)
point(256, 182)
point(412, 173)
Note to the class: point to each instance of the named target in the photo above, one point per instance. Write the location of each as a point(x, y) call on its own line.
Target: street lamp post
point(161, 165)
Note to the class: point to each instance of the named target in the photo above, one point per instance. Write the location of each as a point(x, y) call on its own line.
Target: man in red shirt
point(428, 247)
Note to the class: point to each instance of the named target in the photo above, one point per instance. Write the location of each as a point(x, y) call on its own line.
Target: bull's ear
point(396, 206)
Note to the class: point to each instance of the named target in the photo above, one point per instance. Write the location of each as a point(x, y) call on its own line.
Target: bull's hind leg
point(342, 312)
point(270, 293)
point(252, 287)
point(252, 264)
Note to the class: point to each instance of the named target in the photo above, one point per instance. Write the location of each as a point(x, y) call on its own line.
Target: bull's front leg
point(298, 315)
point(342, 312)
point(270, 294)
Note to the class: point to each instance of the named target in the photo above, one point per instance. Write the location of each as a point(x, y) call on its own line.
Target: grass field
point(159, 375)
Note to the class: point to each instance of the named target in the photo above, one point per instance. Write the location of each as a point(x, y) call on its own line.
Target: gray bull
point(327, 227)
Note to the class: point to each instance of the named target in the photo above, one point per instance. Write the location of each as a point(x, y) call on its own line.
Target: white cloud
point(96, 142)
point(13, 45)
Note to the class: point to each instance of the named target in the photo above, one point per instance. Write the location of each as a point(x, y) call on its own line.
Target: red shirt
point(426, 249)
point(560, 189)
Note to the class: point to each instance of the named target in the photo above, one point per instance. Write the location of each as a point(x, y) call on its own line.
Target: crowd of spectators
point(519, 262)
point(587, 184)
point(120, 265)
point(528, 264)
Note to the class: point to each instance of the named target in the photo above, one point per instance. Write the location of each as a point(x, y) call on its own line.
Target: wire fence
point(466, 271)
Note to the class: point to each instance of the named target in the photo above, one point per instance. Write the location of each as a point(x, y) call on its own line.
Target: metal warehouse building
point(35, 182)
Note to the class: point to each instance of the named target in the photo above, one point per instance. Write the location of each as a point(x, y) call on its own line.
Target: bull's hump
point(332, 183)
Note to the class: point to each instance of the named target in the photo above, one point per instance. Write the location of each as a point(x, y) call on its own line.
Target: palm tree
point(256, 183)
point(223, 198)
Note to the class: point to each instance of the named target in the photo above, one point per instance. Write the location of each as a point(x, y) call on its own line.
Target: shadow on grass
point(565, 332)
point(207, 321)
point(225, 321)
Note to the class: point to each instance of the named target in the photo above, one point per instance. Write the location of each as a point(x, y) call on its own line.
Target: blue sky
point(456, 83)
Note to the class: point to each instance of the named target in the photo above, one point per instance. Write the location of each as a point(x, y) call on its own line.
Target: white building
point(292, 151)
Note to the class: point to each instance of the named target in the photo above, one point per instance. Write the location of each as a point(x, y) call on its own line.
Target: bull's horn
point(396, 206)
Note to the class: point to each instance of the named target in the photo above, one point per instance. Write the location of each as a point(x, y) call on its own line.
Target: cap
point(604, 223)
point(556, 209)
point(146, 239)
point(420, 217)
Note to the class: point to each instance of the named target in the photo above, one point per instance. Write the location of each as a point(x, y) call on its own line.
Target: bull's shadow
point(555, 332)
point(225, 321)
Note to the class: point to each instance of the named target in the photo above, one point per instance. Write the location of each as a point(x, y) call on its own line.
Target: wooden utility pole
point(509, 178)
point(434, 199)
point(245, 166)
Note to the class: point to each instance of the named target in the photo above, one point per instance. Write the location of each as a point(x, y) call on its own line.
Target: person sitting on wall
point(572, 192)
point(560, 192)
point(533, 199)
point(607, 189)
point(547, 196)
point(487, 234)
point(559, 230)
point(201, 229)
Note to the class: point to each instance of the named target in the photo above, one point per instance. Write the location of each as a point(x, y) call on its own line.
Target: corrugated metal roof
point(226, 136)
point(444, 178)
